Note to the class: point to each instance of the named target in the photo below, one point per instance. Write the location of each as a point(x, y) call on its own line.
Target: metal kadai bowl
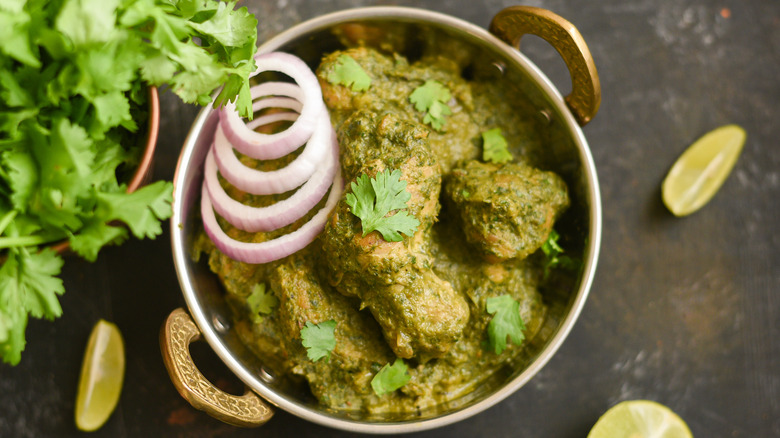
point(484, 52)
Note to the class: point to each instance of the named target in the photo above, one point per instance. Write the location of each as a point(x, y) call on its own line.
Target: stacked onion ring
point(315, 170)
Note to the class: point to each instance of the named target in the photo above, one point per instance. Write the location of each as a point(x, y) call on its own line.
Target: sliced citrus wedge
point(640, 419)
point(102, 373)
point(700, 171)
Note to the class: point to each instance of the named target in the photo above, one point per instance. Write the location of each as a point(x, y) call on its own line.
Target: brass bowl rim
point(320, 416)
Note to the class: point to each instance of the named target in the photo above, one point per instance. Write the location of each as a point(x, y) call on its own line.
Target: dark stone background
point(682, 311)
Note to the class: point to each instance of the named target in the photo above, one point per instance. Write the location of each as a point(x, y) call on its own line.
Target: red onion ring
point(260, 101)
point(276, 102)
point(275, 249)
point(271, 118)
point(272, 146)
point(279, 214)
point(311, 126)
point(277, 88)
point(276, 181)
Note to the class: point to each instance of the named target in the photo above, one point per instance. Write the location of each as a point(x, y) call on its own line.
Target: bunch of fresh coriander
point(74, 76)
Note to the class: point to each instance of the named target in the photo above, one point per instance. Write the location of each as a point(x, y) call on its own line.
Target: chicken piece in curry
point(421, 315)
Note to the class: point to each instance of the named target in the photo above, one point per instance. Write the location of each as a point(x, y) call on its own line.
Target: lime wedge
point(640, 419)
point(701, 169)
point(102, 373)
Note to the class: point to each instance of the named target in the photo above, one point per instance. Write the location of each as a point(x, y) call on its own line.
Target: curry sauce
point(424, 298)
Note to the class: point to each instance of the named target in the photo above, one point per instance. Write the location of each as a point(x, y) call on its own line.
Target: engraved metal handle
point(248, 410)
point(512, 23)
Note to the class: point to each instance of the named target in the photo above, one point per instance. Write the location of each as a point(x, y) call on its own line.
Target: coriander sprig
point(261, 301)
point(73, 80)
point(390, 377)
point(494, 147)
point(319, 339)
point(554, 255)
point(431, 98)
point(349, 73)
point(372, 199)
point(506, 322)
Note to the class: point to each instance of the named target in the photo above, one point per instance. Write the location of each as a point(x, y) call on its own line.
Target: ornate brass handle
point(512, 23)
point(248, 410)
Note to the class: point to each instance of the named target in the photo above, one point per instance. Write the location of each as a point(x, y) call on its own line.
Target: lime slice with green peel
point(102, 373)
point(701, 169)
point(640, 419)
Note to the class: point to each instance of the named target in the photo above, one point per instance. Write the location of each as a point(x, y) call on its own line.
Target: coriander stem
point(40, 239)
point(7, 220)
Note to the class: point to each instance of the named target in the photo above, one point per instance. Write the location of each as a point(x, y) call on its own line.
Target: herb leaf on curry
point(349, 73)
point(373, 198)
point(319, 339)
point(494, 147)
point(506, 322)
point(431, 98)
point(261, 300)
point(390, 378)
point(552, 251)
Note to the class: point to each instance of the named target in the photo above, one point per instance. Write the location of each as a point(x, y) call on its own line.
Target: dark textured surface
point(682, 311)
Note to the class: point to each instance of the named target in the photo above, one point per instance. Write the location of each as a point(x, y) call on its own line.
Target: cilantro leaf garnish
point(431, 98)
point(319, 339)
point(506, 322)
point(390, 378)
point(494, 147)
point(552, 250)
point(349, 73)
point(261, 300)
point(373, 198)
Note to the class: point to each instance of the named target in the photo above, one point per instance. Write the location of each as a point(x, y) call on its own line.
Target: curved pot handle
point(248, 410)
point(512, 23)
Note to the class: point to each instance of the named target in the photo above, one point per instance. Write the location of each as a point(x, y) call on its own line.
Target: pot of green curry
point(498, 237)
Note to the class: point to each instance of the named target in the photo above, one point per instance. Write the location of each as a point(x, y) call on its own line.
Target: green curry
point(423, 299)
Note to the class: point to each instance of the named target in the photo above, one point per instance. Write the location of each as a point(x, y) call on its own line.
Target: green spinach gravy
point(424, 299)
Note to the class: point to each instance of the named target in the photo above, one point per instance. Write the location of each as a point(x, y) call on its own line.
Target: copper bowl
point(211, 317)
